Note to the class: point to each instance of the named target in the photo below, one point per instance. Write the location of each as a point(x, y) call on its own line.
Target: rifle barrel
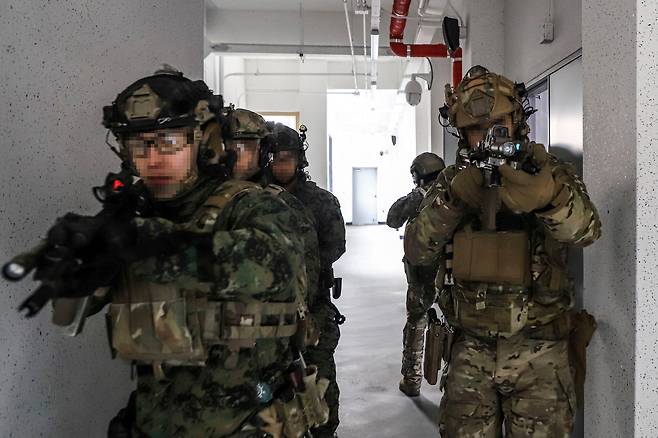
point(22, 264)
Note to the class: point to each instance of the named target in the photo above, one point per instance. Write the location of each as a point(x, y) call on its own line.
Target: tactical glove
point(524, 192)
point(466, 186)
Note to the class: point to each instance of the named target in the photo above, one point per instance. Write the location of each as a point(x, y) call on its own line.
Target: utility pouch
point(501, 257)
point(550, 274)
point(505, 313)
point(307, 409)
point(435, 337)
point(583, 327)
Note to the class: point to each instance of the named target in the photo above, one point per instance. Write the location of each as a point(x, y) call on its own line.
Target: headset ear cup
point(216, 103)
point(265, 152)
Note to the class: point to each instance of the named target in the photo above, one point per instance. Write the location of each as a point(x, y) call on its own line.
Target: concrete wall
point(233, 87)
point(485, 40)
point(525, 58)
point(614, 267)
point(646, 355)
point(60, 63)
point(285, 27)
point(442, 76)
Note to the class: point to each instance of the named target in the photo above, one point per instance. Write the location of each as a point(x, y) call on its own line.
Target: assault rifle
point(497, 149)
point(82, 253)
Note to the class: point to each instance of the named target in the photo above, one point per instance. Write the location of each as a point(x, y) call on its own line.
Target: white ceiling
point(282, 5)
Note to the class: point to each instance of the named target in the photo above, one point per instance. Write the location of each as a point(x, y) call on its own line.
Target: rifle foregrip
point(35, 302)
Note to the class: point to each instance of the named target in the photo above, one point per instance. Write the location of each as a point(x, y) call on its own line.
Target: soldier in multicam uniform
point(288, 171)
point(512, 297)
point(208, 303)
point(420, 279)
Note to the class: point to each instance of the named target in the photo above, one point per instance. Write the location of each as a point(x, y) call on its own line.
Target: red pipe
point(420, 50)
point(401, 9)
point(456, 67)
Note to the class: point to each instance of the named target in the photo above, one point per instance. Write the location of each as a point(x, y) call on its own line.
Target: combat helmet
point(243, 123)
point(167, 99)
point(246, 124)
point(284, 138)
point(426, 167)
point(483, 96)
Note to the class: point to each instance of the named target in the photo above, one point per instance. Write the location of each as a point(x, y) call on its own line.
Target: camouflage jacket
point(572, 221)
point(251, 254)
point(405, 208)
point(305, 226)
point(330, 225)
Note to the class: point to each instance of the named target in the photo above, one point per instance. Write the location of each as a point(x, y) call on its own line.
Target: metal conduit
point(365, 55)
point(292, 90)
point(288, 74)
point(349, 35)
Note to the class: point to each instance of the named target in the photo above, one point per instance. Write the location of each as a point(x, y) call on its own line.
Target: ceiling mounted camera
point(413, 92)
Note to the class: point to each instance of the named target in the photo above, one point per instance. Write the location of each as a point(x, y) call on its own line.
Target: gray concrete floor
point(370, 350)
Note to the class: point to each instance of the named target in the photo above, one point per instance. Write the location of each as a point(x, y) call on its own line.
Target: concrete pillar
point(424, 122)
point(442, 76)
point(60, 63)
point(619, 99)
point(485, 39)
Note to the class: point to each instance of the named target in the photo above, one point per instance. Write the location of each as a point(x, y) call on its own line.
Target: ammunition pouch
point(161, 323)
point(304, 411)
point(492, 257)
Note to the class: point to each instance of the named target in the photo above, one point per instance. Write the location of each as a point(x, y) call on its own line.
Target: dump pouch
point(435, 337)
point(501, 257)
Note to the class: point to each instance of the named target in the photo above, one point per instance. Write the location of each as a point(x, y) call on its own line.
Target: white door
point(364, 195)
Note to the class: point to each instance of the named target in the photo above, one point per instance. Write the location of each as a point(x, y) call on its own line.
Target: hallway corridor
point(370, 350)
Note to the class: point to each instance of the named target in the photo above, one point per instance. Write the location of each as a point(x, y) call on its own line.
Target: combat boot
point(410, 387)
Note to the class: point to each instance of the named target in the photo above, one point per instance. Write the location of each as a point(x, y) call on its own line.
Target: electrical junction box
point(546, 33)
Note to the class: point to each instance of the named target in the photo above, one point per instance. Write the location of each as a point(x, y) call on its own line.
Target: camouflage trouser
point(238, 434)
point(520, 385)
point(420, 298)
point(322, 355)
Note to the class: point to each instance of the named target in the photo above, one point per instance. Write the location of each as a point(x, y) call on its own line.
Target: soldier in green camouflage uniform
point(288, 170)
point(210, 309)
point(420, 280)
point(245, 125)
point(512, 297)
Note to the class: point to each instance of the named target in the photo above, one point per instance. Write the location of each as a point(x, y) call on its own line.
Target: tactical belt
point(557, 329)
